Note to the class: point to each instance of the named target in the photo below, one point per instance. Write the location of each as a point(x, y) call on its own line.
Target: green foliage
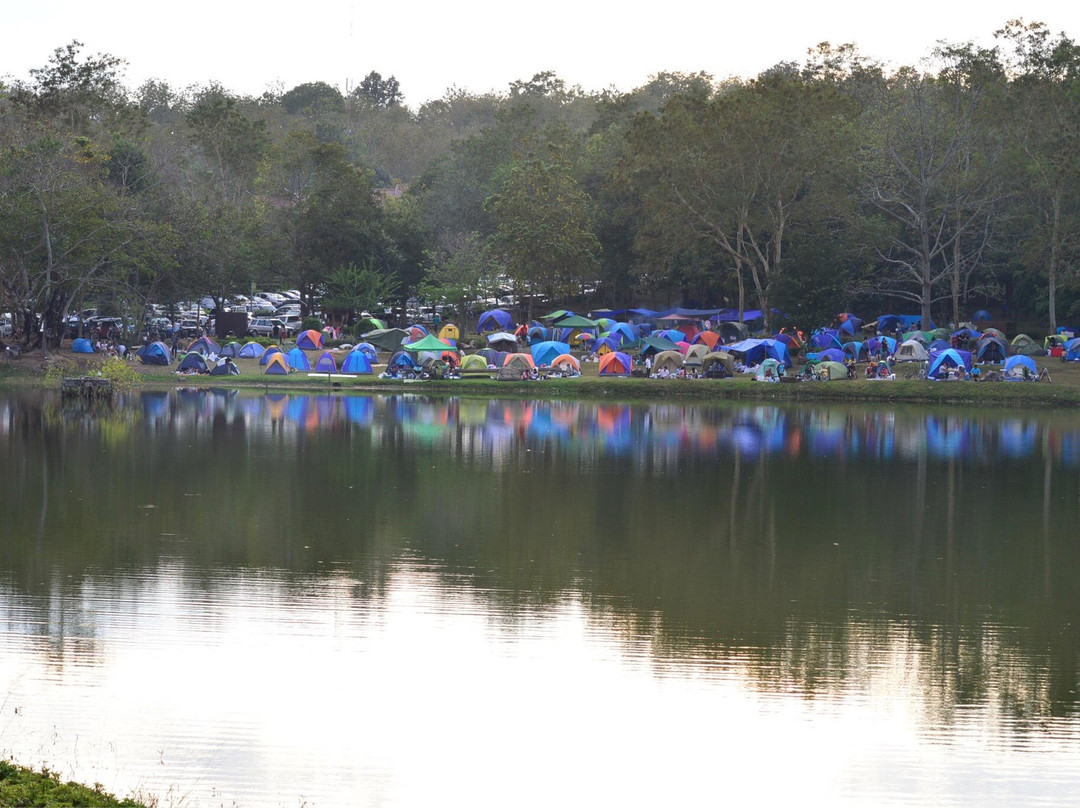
point(120, 372)
point(313, 98)
point(379, 92)
point(311, 324)
point(352, 289)
point(20, 786)
point(544, 229)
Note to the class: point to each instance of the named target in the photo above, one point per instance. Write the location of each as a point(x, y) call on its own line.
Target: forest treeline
point(825, 185)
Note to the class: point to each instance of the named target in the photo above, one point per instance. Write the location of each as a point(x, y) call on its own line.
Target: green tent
point(656, 345)
point(835, 370)
point(388, 339)
point(428, 343)
point(573, 321)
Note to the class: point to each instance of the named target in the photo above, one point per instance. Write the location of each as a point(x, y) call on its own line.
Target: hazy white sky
point(481, 45)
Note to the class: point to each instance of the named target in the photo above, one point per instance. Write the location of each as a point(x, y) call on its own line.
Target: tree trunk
point(1051, 271)
point(927, 296)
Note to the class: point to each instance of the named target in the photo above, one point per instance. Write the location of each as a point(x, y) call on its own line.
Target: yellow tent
point(449, 331)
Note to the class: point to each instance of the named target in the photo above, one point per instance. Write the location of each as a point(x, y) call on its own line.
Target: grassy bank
point(1064, 392)
point(20, 786)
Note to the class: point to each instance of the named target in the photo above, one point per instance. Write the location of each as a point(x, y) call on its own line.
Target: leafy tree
point(741, 171)
point(1045, 94)
point(231, 144)
point(72, 89)
point(353, 288)
point(930, 172)
point(544, 228)
point(312, 98)
point(379, 92)
point(461, 270)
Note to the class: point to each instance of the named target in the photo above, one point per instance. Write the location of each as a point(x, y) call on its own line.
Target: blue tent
point(967, 333)
point(991, 350)
point(857, 350)
point(1072, 350)
point(873, 345)
point(82, 346)
point(194, 361)
point(232, 349)
point(252, 350)
point(370, 350)
point(224, 368)
point(826, 338)
point(938, 345)
point(269, 352)
point(831, 355)
point(494, 320)
point(204, 346)
point(851, 325)
point(982, 315)
point(357, 362)
point(1014, 368)
point(756, 350)
point(298, 360)
point(544, 352)
point(949, 358)
point(402, 359)
point(538, 333)
point(326, 363)
point(156, 353)
point(628, 334)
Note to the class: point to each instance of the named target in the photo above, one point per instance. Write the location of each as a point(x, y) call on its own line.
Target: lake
point(221, 598)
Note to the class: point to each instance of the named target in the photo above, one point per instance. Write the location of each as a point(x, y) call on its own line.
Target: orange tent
point(516, 360)
point(615, 364)
point(566, 359)
point(708, 338)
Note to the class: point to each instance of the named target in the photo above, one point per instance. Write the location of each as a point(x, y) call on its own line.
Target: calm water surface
point(232, 599)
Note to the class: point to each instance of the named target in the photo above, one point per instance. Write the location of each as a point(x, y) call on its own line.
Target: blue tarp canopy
point(756, 350)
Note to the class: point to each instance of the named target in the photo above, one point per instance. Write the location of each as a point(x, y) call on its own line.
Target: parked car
point(264, 327)
point(190, 328)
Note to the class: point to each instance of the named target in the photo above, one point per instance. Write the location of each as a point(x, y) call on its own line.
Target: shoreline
point(1063, 393)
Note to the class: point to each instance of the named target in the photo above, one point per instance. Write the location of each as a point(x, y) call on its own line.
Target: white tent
point(911, 351)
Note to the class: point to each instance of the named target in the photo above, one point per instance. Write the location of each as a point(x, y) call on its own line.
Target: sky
point(481, 45)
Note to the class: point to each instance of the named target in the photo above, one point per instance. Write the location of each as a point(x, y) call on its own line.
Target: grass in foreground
point(20, 786)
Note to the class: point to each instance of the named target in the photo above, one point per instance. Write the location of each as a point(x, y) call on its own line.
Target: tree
point(460, 270)
point(321, 212)
point(74, 90)
point(379, 92)
point(1045, 94)
point(231, 144)
point(63, 229)
point(544, 229)
point(741, 170)
point(352, 289)
point(312, 98)
point(930, 174)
